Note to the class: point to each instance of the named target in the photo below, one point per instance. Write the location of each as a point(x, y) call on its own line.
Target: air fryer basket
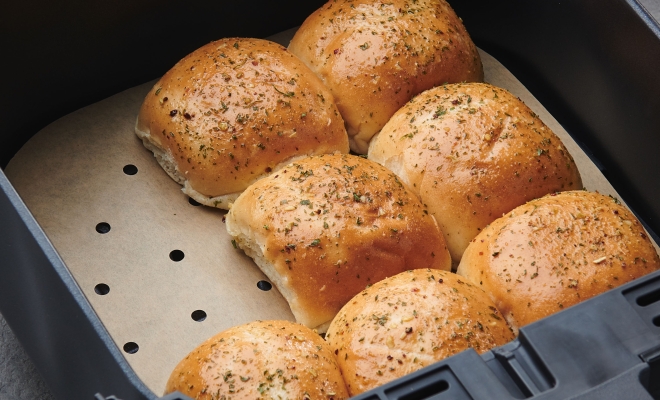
point(593, 65)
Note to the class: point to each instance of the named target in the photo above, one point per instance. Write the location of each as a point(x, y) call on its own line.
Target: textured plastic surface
point(592, 63)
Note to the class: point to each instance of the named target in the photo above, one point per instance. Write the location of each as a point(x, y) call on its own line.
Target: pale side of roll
point(374, 56)
point(325, 227)
point(473, 152)
point(557, 251)
point(410, 321)
point(261, 359)
point(232, 112)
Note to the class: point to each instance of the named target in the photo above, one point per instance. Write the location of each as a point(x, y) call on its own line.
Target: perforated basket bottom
point(160, 272)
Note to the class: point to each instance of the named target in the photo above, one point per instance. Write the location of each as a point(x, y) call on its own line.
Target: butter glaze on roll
point(261, 359)
point(325, 227)
point(409, 321)
point(473, 152)
point(557, 251)
point(374, 56)
point(232, 112)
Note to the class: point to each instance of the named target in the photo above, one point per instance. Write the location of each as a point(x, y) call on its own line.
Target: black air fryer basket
point(595, 65)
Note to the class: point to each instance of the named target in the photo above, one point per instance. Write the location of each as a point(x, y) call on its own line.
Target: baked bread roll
point(374, 56)
point(473, 152)
point(556, 251)
point(233, 111)
point(325, 227)
point(261, 359)
point(409, 321)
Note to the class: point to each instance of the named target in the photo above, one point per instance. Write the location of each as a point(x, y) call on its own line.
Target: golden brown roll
point(325, 227)
point(374, 56)
point(233, 111)
point(473, 152)
point(410, 321)
point(556, 251)
point(261, 359)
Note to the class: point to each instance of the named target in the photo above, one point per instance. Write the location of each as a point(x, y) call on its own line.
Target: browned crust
point(234, 110)
point(374, 56)
point(409, 321)
point(330, 225)
point(556, 251)
point(260, 360)
point(473, 152)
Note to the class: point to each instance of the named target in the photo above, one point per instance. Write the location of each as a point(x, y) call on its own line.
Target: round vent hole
point(130, 169)
point(103, 227)
point(176, 255)
point(102, 289)
point(198, 315)
point(131, 347)
point(264, 285)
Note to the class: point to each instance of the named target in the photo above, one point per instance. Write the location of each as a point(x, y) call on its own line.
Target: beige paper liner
point(71, 177)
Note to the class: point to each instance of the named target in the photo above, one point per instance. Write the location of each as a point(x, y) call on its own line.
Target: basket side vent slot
point(645, 300)
point(435, 384)
point(649, 298)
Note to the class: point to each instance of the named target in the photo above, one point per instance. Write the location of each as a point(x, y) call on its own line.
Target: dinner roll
point(261, 359)
point(325, 227)
point(556, 251)
point(473, 152)
point(410, 321)
point(374, 56)
point(233, 111)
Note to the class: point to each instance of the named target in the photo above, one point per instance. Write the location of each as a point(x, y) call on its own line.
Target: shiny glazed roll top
point(260, 360)
point(409, 321)
point(472, 152)
point(557, 251)
point(374, 56)
point(325, 227)
point(234, 111)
